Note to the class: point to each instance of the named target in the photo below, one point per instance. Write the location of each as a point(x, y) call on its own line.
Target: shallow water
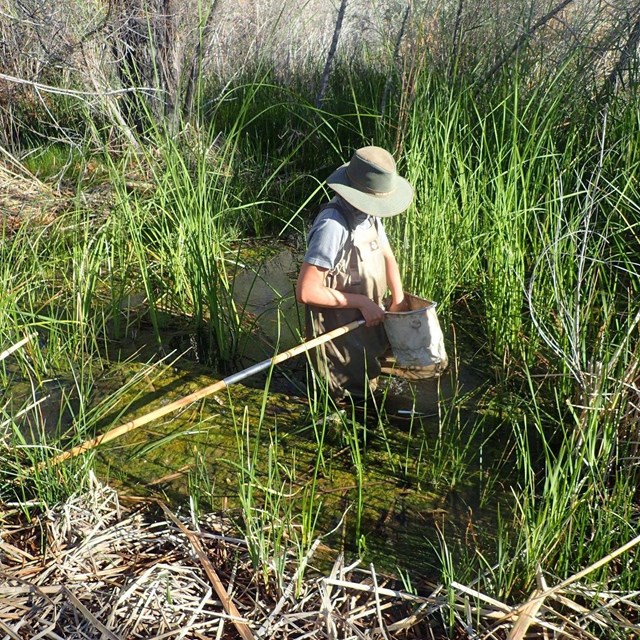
point(391, 484)
point(422, 475)
point(418, 479)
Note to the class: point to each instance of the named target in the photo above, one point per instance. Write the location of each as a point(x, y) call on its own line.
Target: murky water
point(414, 478)
point(391, 484)
point(393, 503)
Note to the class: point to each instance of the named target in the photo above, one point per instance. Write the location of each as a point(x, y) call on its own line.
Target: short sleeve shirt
point(329, 233)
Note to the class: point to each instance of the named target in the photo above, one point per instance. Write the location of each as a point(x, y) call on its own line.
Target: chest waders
point(350, 363)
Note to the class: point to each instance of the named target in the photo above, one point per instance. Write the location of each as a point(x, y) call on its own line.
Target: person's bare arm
point(394, 281)
point(310, 289)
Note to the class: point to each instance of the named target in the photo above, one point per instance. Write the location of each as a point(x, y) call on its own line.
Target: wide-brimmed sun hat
point(370, 183)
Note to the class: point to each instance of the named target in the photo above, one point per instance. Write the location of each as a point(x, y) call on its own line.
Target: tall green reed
point(51, 276)
point(279, 505)
point(518, 213)
point(481, 173)
point(530, 221)
point(53, 416)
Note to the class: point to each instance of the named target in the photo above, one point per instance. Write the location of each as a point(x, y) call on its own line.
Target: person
point(348, 269)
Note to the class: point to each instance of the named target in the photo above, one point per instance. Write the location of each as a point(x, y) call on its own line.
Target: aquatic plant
point(524, 229)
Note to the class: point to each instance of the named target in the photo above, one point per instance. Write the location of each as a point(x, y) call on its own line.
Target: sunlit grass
point(524, 229)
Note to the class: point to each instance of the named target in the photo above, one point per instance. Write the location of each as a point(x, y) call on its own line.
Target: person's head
point(370, 183)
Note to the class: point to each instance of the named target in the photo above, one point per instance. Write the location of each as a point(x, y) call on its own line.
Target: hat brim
point(381, 206)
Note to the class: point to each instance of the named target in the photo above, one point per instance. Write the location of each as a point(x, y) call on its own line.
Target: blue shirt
point(329, 233)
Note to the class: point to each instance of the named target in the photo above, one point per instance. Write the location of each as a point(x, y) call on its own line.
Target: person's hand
point(397, 307)
point(371, 312)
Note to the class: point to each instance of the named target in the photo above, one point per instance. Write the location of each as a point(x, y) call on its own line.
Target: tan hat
point(371, 184)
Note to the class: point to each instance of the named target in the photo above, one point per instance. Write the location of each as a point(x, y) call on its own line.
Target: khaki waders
point(349, 363)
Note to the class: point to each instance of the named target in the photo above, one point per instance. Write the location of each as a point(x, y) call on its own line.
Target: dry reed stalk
point(24, 411)
point(288, 592)
point(496, 605)
point(528, 615)
point(228, 604)
point(114, 572)
point(581, 574)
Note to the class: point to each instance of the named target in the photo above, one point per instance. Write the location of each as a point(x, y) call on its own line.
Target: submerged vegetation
point(128, 220)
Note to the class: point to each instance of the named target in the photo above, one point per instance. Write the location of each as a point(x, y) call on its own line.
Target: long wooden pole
point(201, 393)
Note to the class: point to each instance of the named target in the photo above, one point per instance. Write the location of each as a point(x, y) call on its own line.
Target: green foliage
point(525, 228)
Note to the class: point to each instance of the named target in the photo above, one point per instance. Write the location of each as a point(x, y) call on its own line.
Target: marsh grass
point(278, 502)
point(59, 164)
point(524, 229)
point(520, 212)
point(55, 415)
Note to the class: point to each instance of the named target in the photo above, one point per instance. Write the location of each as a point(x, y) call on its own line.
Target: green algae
point(300, 467)
point(256, 451)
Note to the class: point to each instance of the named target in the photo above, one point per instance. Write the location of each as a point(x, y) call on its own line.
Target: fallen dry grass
point(93, 568)
point(25, 200)
point(109, 571)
